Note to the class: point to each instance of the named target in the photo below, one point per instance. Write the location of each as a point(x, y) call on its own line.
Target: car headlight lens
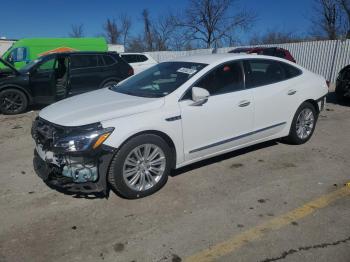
point(84, 141)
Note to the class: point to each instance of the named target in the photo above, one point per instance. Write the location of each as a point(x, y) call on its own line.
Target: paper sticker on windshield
point(188, 71)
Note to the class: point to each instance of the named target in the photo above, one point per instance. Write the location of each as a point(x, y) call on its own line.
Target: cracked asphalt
point(200, 207)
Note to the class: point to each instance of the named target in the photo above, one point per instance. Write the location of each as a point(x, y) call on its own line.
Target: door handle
point(244, 103)
point(292, 92)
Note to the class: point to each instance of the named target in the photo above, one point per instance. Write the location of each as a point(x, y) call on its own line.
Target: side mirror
point(10, 59)
point(199, 96)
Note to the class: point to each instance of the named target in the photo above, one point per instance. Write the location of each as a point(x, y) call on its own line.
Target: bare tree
point(148, 34)
point(77, 31)
point(274, 37)
point(327, 20)
point(125, 26)
point(345, 6)
point(164, 33)
point(112, 31)
point(210, 21)
point(136, 44)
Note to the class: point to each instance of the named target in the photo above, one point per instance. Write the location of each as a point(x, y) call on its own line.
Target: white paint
point(219, 119)
point(139, 66)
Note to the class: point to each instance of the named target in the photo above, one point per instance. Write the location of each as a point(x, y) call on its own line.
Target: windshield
point(159, 80)
point(29, 66)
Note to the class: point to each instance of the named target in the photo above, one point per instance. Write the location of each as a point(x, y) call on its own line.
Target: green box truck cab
point(25, 50)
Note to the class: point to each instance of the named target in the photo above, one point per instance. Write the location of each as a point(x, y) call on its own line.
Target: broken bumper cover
point(66, 159)
point(52, 175)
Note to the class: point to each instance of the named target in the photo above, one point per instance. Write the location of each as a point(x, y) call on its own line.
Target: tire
point(295, 136)
point(340, 94)
point(13, 101)
point(110, 83)
point(119, 167)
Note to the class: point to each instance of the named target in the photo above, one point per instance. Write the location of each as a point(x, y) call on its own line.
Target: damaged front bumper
point(70, 172)
point(72, 178)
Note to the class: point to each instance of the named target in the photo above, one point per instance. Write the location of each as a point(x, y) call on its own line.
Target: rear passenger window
point(268, 51)
point(260, 72)
point(142, 58)
point(224, 79)
point(291, 71)
point(108, 60)
point(81, 61)
point(130, 58)
point(280, 53)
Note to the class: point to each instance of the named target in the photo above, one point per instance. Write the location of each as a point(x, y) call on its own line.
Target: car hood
point(97, 106)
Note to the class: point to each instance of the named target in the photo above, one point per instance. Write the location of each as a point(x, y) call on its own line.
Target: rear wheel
point(141, 166)
point(13, 101)
point(110, 83)
point(340, 93)
point(303, 124)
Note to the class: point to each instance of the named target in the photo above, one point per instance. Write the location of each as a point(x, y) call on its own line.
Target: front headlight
point(84, 141)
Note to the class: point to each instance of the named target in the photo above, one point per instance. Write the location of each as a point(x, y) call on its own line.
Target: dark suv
point(270, 51)
point(342, 88)
point(57, 76)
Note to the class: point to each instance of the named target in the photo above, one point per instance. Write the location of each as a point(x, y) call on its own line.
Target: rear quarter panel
point(314, 87)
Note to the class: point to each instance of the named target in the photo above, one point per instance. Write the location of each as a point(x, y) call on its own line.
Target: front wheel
point(141, 166)
point(303, 125)
point(13, 101)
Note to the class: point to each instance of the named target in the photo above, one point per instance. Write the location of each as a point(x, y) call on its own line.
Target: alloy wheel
point(305, 123)
point(11, 102)
point(144, 167)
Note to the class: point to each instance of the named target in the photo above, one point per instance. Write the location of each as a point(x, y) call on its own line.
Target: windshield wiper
point(148, 95)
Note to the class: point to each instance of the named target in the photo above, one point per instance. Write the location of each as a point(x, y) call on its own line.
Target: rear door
point(275, 94)
point(85, 73)
point(111, 70)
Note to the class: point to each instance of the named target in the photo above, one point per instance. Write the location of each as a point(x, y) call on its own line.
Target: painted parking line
point(237, 241)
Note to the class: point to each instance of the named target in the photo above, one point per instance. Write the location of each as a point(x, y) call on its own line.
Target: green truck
point(28, 49)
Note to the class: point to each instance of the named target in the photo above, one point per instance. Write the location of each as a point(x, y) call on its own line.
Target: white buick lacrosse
point(129, 136)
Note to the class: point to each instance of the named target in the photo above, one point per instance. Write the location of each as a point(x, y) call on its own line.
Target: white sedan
point(131, 135)
point(138, 61)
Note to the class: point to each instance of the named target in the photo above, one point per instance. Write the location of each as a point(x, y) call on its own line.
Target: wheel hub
point(305, 123)
point(144, 167)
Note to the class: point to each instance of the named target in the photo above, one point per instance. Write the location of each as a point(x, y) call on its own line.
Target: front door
point(225, 120)
point(42, 81)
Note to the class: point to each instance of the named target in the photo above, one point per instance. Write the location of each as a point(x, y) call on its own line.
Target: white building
point(116, 48)
point(5, 44)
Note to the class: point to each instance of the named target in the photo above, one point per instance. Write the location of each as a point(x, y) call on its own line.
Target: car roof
point(132, 53)
point(220, 58)
point(79, 52)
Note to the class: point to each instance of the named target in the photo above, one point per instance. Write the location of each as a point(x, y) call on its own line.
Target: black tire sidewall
point(116, 169)
point(293, 137)
point(24, 101)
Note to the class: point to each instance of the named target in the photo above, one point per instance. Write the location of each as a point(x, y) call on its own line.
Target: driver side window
point(18, 55)
point(47, 66)
point(225, 78)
